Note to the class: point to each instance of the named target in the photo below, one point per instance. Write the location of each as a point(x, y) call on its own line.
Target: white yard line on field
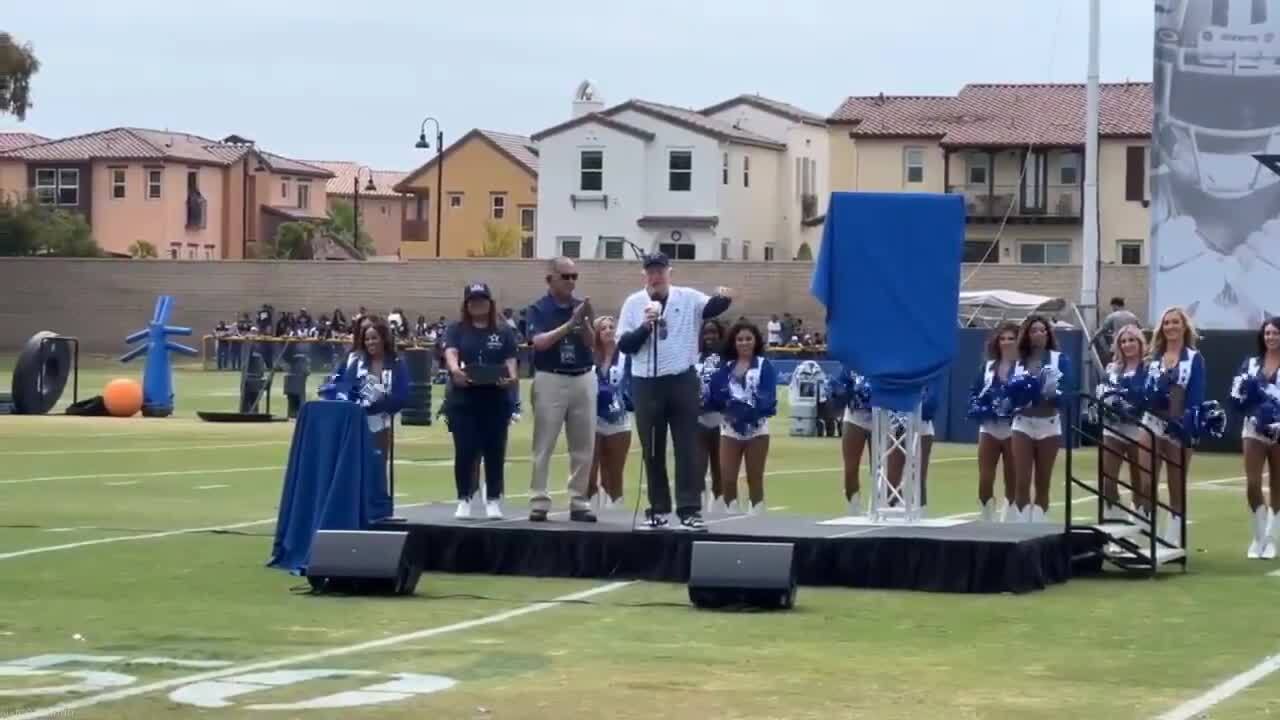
point(121, 483)
point(66, 708)
point(144, 449)
point(211, 487)
point(1195, 707)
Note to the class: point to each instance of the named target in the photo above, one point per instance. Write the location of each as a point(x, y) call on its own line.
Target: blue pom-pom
point(861, 398)
point(1023, 391)
point(1247, 393)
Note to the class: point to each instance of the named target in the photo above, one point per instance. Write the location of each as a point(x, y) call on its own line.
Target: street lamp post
point(355, 191)
point(422, 144)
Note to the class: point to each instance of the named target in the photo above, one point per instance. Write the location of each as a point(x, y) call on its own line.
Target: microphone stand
point(653, 369)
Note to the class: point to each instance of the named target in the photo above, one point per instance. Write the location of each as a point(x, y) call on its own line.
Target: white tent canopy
point(988, 308)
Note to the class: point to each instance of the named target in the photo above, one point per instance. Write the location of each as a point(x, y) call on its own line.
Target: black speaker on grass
point(361, 562)
point(750, 574)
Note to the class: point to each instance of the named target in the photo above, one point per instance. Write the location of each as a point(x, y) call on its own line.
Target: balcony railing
point(1057, 203)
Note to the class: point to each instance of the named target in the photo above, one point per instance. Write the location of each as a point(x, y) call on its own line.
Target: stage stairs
point(1124, 537)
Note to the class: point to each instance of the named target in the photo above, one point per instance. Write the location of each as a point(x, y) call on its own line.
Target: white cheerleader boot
point(1173, 530)
point(1037, 514)
point(856, 508)
point(1016, 514)
point(1008, 511)
point(1269, 536)
point(732, 508)
point(1258, 523)
point(987, 510)
point(757, 508)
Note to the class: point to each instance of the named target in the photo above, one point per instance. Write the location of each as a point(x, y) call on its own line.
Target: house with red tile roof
point(190, 197)
point(382, 209)
point(490, 183)
point(1015, 151)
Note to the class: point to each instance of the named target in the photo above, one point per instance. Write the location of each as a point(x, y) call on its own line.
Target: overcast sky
point(326, 80)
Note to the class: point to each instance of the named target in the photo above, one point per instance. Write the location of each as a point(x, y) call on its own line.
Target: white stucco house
point(735, 181)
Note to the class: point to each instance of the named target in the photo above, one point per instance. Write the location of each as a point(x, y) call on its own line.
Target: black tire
point(41, 373)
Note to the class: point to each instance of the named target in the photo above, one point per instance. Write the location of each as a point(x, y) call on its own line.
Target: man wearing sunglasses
point(659, 328)
point(564, 389)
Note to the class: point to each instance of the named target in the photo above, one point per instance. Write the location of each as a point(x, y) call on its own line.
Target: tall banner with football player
point(1215, 187)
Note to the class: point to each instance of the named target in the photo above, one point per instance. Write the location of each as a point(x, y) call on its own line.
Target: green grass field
point(91, 565)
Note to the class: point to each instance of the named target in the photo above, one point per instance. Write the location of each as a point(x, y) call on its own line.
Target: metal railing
point(1057, 201)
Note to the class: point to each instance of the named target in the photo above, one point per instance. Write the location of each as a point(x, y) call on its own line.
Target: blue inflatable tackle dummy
point(157, 373)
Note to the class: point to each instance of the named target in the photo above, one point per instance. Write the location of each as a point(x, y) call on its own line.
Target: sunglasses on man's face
point(573, 277)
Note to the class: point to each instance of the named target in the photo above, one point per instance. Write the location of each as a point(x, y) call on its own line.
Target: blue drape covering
point(889, 275)
point(336, 480)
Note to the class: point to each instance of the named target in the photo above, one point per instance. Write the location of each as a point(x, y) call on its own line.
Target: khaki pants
point(567, 401)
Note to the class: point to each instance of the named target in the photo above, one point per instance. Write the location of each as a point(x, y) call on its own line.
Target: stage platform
point(936, 556)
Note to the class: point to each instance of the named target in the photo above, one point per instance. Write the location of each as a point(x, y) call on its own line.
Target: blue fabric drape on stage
point(889, 275)
point(335, 480)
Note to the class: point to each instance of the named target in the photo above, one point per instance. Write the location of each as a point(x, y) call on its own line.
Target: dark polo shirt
point(570, 356)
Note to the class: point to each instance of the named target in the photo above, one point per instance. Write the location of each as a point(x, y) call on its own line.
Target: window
point(570, 246)
point(455, 200)
point(724, 170)
point(1069, 170)
point(304, 195)
point(746, 249)
point(154, 178)
point(680, 170)
point(769, 250)
point(208, 252)
point(813, 177)
point(1044, 252)
point(1135, 173)
point(613, 248)
point(69, 187)
point(46, 186)
point(724, 249)
point(526, 246)
point(800, 176)
point(913, 158)
point(978, 251)
point(591, 170)
point(746, 171)
point(418, 210)
point(284, 189)
point(498, 205)
point(528, 217)
point(979, 167)
point(117, 183)
point(1129, 252)
point(679, 251)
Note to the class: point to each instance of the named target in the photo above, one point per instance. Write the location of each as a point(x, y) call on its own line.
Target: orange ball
point(123, 397)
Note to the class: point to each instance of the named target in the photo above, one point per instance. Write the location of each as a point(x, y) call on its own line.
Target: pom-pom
point(982, 408)
point(1023, 391)
point(1247, 393)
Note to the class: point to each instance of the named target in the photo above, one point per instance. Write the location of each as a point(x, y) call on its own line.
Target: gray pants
point(670, 401)
point(567, 401)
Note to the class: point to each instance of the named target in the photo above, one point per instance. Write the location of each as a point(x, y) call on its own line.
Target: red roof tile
point(15, 140)
point(344, 174)
point(1002, 115)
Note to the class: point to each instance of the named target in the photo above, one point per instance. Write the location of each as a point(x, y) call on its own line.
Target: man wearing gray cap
point(658, 326)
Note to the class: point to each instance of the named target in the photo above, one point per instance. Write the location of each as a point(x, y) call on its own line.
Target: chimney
point(586, 99)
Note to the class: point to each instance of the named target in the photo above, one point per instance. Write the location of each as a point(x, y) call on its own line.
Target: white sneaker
point(464, 510)
point(757, 508)
point(987, 510)
point(493, 510)
point(856, 506)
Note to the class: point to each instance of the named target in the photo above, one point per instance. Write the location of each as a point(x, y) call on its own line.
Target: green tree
point(30, 229)
point(17, 64)
point(500, 240)
point(17, 230)
point(342, 223)
point(142, 249)
point(293, 241)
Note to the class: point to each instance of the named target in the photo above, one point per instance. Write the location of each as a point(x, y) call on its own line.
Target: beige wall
point(1118, 218)
point(52, 294)
point(475, 169)
point(380, 217)
point(13, 180)
point(119, 222)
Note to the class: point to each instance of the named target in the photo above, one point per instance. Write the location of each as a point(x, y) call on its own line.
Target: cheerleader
point(855, 391)
point(988, 406)
point(613, 421)
point(707, 451)
point(377, 378)
point(1034, 391)
point(1175, 386)
point(745, 391)
point(1121, 392)
point(1255, 392)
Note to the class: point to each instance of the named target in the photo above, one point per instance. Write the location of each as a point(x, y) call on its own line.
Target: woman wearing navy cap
point(377, 378)
point(480, 354)
point(745, 391)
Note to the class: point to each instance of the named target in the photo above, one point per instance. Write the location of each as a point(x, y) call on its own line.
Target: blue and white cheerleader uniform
point(1258, 399)
point(996, 417)
point(747, 402)
point(382, 396)
point(613, 402)
point(857, 393)
point(706, 368)
point(1052, 376)
point(1172, 391)
point(1122, 390)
